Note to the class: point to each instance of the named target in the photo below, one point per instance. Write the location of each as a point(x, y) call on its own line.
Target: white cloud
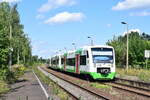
point(144, 13)
point(132, 4)
point(39, 16)
point(65, 17)
point(109, 25)
point(132, 30)
point(10, 1)
point(52, 4)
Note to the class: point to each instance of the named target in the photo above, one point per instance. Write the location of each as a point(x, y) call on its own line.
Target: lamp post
point(59, 51)
point(74, 45)
point(65, 49)
point(91, 40)
point(127, 57)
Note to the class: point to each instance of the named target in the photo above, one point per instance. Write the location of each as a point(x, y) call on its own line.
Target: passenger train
point(96, 61)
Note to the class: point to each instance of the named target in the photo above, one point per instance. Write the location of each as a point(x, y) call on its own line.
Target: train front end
point(102, 62)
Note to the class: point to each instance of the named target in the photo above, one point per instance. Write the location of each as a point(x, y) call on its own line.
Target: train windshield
point(102, 55)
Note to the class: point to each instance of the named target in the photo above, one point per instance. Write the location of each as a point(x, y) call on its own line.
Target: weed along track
point(143, 85)
point(56, 92)
point(140, 88)
point(129, 88)
point(78, 88)
point(103, 90)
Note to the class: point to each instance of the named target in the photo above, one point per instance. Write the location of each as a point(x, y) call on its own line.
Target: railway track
point(131, 88)
point(145, 93)
point(144, 85)
point(78, 90)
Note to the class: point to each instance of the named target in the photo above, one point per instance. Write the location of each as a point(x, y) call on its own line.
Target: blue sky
point(55, 24)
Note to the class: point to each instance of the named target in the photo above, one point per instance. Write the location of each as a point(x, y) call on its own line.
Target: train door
point(65, 63)
point(77, 64)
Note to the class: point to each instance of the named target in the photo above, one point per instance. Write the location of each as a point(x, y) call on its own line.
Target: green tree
point(4, 34)
point(137, 44)
point(20, 42)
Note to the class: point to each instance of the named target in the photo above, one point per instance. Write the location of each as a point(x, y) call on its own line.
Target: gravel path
point(27, 88)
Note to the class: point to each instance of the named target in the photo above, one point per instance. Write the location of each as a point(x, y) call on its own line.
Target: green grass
point(101, 86)
point(142, 74)
point(7, 77)
point(55, 88)
point(3, 87)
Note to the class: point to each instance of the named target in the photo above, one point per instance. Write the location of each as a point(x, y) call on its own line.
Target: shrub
point(3, 87)
point(6, 75)
point(18, 70)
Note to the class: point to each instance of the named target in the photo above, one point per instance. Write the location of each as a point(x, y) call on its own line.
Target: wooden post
point(146, 62)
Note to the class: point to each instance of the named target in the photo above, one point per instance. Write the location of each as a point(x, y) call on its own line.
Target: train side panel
point(84, 61)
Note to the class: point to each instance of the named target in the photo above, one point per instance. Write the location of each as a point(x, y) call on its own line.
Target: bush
point(6, 75)
point(3, 87)
point(18, 70)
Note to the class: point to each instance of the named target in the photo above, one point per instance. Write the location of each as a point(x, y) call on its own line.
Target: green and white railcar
point(96, 61)
point(55, 61)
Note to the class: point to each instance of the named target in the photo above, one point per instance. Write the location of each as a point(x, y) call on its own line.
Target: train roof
point(97, 46)
point(88, 47)
point(81, 49)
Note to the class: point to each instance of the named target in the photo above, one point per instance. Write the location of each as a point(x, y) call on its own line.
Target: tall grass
point(8, 76)
point(142, 74)
point(3, 87)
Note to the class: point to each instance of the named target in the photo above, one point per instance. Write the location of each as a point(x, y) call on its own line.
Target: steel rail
point(137, 83)
point(102, 95)
point(129, 88)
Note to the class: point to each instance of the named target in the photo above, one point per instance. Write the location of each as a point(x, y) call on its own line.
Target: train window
point(53, 62)
point(67, 62)
point(82, 60)
point(57, 61)
point(101, 49)
point(62, 60)
point(71, 61)
point(87, 54)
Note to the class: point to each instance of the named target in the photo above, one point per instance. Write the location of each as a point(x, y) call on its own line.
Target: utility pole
point(65, 49)
point(127, 56)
